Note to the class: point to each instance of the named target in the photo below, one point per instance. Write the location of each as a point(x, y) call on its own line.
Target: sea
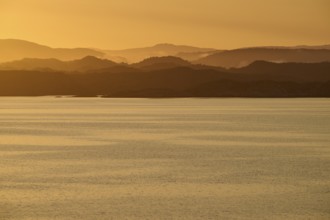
point(105, 158)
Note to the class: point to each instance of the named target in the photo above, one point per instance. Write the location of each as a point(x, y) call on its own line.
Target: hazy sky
point(133, 23)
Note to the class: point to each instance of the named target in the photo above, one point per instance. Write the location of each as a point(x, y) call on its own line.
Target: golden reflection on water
point(94, 158)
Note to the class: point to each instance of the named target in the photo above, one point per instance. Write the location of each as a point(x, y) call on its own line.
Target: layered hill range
point(11, 50)
point(164, 70)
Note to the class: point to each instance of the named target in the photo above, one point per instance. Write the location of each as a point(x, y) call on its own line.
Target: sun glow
point(125, 23)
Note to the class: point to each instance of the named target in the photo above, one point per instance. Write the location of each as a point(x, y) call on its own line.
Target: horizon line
point(170, 44)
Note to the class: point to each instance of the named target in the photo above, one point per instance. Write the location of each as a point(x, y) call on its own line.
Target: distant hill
point(11, 49)
point(85, 64)
point(296, 72)
point(35, 83)
point(260, 89)
point(164, 70)
point(170, 62)
point(90, 64)
point(243, 57)
point(138, 54)
point(156, 63)
point(193, 56)
point(318, 47)
point(260, 79)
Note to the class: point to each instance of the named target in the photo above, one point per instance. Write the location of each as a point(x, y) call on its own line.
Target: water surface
point(93, 158)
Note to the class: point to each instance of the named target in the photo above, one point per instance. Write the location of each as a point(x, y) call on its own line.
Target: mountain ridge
point(84, 64)
point(13, 49)
point(260, 79)
point(245, 56)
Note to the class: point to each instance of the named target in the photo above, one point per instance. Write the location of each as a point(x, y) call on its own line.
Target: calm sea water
point(93, 158)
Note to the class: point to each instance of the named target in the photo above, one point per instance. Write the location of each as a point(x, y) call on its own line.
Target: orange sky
point(133, 23)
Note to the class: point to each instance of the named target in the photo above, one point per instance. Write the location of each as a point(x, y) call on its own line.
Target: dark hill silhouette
point(34, 83)
point(170, 62)
point(156, 63)
point(118, 69)
point(90, 63)
point(187, 82)
point(243, 57)
point(35, 64)
point(302, 71)
point(260, 89)
point(260, 79)
point(12, 49)
point(319, 47)
point(287, 71)
point(174, 79)
point(85, 64)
